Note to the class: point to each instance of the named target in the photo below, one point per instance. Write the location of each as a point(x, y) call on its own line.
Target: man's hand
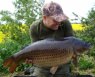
point(53, 69)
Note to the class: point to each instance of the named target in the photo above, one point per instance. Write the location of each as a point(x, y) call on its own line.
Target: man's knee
point(38, 72)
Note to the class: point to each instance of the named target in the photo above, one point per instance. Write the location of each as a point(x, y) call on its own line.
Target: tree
point(16, 33)
point(27, 10)
point(5, 17)
point(89, 33)
point(91, 16)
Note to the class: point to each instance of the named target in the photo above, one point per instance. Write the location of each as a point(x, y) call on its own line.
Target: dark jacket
point(38, 31)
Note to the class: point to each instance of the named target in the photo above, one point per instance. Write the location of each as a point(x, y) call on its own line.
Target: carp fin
point(11, 64)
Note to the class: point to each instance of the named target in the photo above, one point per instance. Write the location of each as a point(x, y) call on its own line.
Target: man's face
point(51, 23)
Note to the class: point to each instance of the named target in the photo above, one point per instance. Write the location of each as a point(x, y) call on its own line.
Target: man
point(55, 24)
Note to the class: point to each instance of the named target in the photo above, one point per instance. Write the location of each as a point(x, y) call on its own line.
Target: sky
point(6, 5)
point(80, 7)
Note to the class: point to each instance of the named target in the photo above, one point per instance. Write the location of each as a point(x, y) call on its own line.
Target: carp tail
point(10, 64)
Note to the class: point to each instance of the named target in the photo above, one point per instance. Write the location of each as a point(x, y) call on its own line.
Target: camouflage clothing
point(55, 11)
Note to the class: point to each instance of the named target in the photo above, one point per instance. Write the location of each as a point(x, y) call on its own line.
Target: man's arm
point(68, 29)
point(33, 33)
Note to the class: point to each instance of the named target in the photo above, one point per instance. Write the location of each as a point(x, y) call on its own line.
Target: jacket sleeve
point(68, 29)
point(33, 33)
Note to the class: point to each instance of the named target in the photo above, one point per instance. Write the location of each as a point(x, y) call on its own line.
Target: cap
point(54, 10)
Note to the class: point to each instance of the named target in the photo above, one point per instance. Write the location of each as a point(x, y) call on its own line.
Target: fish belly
point(48, 58)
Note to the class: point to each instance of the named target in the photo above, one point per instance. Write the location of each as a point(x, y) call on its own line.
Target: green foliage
point(88, 34)
point(16, 34)
point(15, 39)
point(27, 10)
point(5, 17)
point(7, 48)
point(86, 62)
point(8, 18)
point(91, 16)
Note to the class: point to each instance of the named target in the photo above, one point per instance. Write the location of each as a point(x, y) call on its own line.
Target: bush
point(86, 62)
point(88, 34)
point(15, 38)
point(6, 49)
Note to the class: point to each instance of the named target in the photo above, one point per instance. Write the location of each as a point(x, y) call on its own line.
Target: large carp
point(48, 52)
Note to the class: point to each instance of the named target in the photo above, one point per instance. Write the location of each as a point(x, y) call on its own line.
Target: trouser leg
point(63, 71)
point(40, 72)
